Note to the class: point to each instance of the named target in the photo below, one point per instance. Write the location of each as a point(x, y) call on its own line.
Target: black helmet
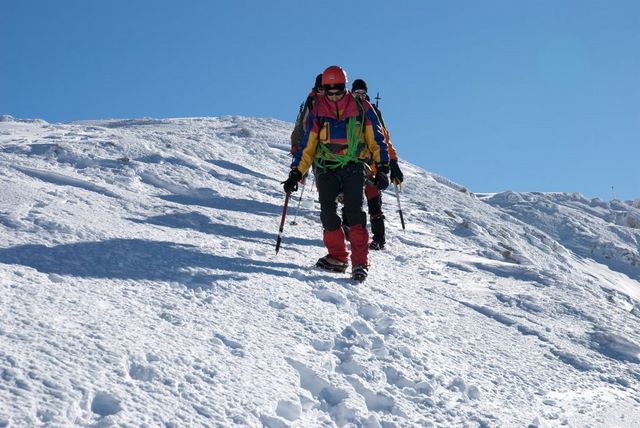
point(359, 84)
point(318, 85)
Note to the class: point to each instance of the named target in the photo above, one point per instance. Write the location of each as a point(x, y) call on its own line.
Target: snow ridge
point(139, 286)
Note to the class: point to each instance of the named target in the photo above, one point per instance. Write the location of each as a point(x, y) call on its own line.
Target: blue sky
point(496, 95)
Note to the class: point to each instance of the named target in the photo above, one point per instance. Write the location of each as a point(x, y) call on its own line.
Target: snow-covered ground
point(139, 286)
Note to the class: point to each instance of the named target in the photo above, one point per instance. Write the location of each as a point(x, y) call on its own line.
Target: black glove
point(291, 183)
point(381, 180)
point(396, 175)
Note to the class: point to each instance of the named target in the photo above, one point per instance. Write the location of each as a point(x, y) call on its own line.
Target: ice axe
point(396, 185)
point(284, 215)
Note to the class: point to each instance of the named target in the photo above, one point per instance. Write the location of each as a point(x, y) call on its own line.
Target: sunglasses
point(360, 92)
point(334, 93)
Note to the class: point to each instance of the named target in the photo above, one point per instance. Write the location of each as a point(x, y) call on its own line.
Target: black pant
point(349, 181)
point(374, 204)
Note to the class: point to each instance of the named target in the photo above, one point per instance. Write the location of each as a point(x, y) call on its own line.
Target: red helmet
point(334, 75)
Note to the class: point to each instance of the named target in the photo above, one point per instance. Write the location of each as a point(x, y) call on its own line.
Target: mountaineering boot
point(359, 273)
point(376, 245)
point(329, 263)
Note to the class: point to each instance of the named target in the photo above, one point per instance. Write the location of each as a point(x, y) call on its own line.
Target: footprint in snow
point(289, 410)
point(321, 390)
point(278, 305)
point(375, 401)
point(234, 347)
point(329, 296)
point(105, 404)
point(171, 318)
point(470, 391)
point(376, 315)
point(142, 372)
point(359, 335)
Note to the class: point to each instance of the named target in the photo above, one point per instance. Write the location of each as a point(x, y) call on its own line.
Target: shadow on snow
point(229, 204)
point(137, 259)
point(202, 223)
point(239, 168)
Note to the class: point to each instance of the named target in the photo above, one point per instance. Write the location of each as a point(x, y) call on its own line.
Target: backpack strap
point(379, 114)
point(361, 110)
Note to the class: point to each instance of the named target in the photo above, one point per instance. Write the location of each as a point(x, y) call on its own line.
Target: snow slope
point(139, 287)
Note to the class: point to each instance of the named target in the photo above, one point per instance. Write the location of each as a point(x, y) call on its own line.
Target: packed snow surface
point(139, 286)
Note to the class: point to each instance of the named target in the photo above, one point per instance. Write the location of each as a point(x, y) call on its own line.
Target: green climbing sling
point(325, 158)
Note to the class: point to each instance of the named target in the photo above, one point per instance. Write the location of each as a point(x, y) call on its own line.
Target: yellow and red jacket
point(393, 156)
point(328, 126)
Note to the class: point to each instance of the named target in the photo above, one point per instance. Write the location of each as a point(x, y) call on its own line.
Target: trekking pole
point(304, 185)
point(313, 183)
point(399, 207)
point(284, 214)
